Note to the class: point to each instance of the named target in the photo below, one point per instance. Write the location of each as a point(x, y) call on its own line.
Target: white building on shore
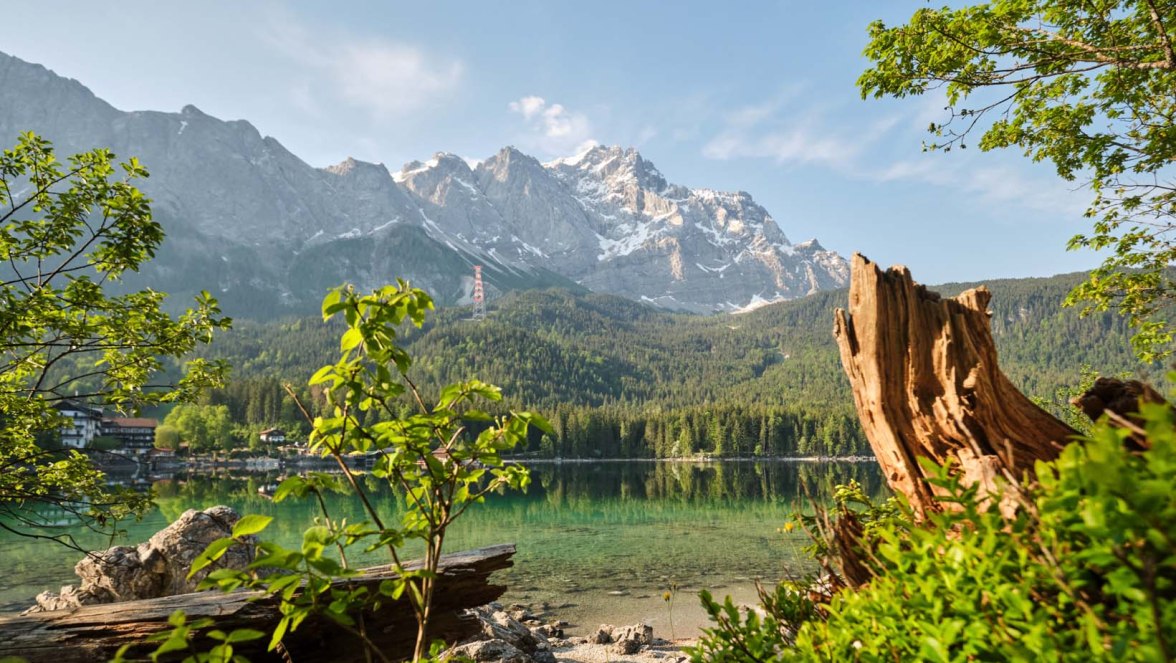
point(83, 424)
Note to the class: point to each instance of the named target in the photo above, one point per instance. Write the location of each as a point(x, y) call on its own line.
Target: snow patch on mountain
point(607, 218)
point(413, 168)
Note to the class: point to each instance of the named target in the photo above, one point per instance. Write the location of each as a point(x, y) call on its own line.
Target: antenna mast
point(479, 295)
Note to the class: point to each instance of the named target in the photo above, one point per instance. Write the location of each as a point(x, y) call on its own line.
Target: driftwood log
point(95, 632)
point(926, 383)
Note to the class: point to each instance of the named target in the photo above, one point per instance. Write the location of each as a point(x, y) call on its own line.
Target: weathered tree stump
point(926, 383)
point(1120, 401)
point(95, 632)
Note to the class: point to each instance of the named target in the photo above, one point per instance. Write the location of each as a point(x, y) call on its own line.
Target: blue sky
point(752, 96)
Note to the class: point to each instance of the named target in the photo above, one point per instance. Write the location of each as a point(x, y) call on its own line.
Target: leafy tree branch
point(1085, 85)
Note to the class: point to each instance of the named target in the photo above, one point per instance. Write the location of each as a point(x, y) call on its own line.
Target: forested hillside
point(618, 378)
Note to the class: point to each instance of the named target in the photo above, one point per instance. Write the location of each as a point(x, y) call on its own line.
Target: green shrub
point(105, 443)
point(435, 458)
point(1086, 571)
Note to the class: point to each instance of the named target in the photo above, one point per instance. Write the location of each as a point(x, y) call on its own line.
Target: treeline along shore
point(618, 379)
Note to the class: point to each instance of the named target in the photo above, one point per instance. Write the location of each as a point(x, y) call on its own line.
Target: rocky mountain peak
point(353, 167)
point(449, 161)
point(260, 227)
point(507, 159)
point(443, 164)
point(343, 167)
point(617, 166)
point(511, 152)
point(435, 179)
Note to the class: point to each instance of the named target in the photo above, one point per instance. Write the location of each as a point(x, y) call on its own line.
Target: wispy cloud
point(529, 107)
point(379, 75)
point(779, 130)
point(991, 184)
point(775, 129)
point(798, 145)
point(552, 128)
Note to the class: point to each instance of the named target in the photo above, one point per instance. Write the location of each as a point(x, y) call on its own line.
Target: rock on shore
point(514, 635)
point(158, 567)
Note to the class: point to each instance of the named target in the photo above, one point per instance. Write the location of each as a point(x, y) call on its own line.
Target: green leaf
point(279, 633)
point(213, 552)
point(350, 339)
point(321, 375)
point(251, 524)
point(314, 540)
point(330, 302)
point(294, 486)
point(177, 641)
point(244, 635)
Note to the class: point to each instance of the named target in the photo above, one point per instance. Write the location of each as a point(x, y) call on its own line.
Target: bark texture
point(926, 383)
point(1119, 400)
point(95, 632)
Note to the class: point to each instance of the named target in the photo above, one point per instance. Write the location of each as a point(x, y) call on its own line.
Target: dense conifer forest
point(621, 379)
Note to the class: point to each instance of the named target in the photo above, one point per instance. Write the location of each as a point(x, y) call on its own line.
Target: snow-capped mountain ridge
point(609, 219)
point(243, 213)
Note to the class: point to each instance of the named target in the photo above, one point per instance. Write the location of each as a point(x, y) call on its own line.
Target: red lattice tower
point(479, 294)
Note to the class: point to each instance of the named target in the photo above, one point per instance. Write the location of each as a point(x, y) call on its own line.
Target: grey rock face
point(630, 639)
point(503, 638)
point(602, 635)
point(547, 224)
point(691, 249)
point(499, 651)
point(247, 220)
point(158, 567)
point(500, 625)
point(625, 640)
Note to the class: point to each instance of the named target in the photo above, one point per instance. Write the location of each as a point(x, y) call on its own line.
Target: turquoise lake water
point(597, 541)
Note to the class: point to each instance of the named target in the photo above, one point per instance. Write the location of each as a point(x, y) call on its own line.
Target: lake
point(597, 541)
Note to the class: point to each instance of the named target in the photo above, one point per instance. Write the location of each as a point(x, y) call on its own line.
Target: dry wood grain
point(926, 383)
point(95, 632)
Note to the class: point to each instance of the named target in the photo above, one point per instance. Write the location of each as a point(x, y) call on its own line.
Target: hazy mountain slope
point(246, 218)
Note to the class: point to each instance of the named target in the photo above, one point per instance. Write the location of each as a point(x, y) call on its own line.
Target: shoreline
point(271, 463)
point(689, 459)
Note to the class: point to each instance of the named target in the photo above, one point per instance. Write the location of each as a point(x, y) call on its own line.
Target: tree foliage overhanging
point(68, 231)
point(1087, 85)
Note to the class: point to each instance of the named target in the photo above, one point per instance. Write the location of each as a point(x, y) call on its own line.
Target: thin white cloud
point(646, 134)
point(994, 185)
point(302, 96)
point(552, 128)
point(379, 75)
point(392, 78)
point(528, 106)
point(775, 130)
point(798, 145)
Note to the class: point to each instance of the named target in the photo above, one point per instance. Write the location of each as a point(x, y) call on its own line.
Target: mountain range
point(267, 233)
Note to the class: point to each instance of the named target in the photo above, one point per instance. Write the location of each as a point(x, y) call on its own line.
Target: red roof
point(134, 422)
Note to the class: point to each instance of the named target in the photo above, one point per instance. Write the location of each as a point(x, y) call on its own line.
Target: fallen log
point(95, 632)
point(925, 380)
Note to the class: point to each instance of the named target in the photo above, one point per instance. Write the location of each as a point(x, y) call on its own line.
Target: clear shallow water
point(597, 542)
